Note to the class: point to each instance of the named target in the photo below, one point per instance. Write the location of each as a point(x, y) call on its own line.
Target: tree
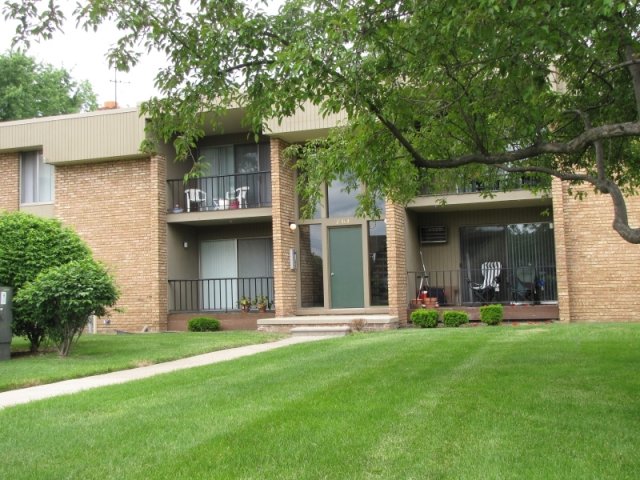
point(29, 89)
point(61, 298)
point(431, 88)
point(28, 246)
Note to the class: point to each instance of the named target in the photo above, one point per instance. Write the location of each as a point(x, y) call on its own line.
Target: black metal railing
point(505, 183)
point(217, 294)
point(520, 285)
point(226, 192)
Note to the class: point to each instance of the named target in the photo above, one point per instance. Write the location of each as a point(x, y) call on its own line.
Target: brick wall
point(598, 272)
point(119, 209)
point(396, 261)
point(283, 212)
point(10, 183)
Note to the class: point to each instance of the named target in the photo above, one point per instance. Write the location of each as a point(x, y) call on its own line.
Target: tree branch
point(576, 145)
point(606, 186)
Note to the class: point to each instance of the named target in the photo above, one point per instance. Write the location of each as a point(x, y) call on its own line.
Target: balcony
point(226, 192)
point(502, 183)
point(528, 285)
point(216, 294)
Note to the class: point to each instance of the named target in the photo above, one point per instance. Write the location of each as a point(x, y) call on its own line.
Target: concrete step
point(330, 331)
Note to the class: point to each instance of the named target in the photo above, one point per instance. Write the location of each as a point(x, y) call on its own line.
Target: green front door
point(345, 253)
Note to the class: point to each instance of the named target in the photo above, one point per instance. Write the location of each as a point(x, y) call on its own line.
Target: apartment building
point(180, 248)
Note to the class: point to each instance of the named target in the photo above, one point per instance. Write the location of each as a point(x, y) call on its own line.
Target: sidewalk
point(25, 395)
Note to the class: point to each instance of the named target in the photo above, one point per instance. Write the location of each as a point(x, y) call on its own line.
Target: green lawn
point(106, 353)
point(549, 401)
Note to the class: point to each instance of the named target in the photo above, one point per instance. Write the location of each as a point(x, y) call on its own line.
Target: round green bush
point(492, 314)
point(425, 318)
point(454, 318)
point(203, 324)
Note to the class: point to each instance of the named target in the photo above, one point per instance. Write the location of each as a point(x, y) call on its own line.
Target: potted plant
point(262, 302)
point(244, 303)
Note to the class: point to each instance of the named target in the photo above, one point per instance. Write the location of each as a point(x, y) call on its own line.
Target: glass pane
point(532, 262)
point(246, 158)
point(255, 267)
point(341, 203)
point(316, 212)
point(378, 276)
point(311, 266)
point(45, 181)
point(220, 167)
point(265, 157)
point(481, 245)
point(28, 176)
point(219, 272)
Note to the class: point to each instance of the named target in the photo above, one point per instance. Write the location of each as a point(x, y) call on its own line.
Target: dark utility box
point(6, 317)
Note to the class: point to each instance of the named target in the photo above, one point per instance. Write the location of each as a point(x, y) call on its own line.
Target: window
point(233, 167)
point(233, 268)
point(311, 266)
point(378, 274)
point(36, 179)
point(526, 254)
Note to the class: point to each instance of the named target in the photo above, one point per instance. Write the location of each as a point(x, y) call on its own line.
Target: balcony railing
point(505, 183)
point(226, 192)
point(218, 294)
point(522, 285)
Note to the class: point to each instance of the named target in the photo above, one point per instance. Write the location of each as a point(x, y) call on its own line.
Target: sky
point(83, 55)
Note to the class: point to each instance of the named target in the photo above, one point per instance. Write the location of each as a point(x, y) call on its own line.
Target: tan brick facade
point(119, 209)
point(396, 261)
point(10, 187)
point(283, 212)
point(598, 272)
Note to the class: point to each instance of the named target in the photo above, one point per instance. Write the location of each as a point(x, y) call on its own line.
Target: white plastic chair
point(242, 196)
point(195, 195)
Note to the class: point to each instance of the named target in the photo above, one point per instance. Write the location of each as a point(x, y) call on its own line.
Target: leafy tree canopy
point(29, 89)
point(430, 88)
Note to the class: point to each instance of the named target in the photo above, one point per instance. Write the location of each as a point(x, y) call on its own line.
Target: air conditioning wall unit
point(433, 234)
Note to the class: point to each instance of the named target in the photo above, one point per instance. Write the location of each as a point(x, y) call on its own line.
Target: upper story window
point(236, 159)
point(36, 179)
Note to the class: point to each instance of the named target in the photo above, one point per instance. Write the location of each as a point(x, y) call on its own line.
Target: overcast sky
point(83, 55)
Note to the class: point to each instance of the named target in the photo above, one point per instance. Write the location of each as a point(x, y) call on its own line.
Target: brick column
point(158, 239)
point(283, 211)
point(10, 186)
point(559, 234)
point(397, 260)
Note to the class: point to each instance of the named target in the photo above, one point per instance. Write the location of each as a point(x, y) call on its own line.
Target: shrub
point(203, 324)
point(28, 246)
point(454, 318)
point(61, 298)
point(492, 314)
point(425, 318)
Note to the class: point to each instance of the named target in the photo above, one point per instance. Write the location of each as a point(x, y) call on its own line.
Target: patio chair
point(195, 195)
point(242, 196)
point(486, 291)
point(524, 289)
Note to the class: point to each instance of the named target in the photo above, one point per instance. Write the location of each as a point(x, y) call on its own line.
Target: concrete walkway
point(25, 395)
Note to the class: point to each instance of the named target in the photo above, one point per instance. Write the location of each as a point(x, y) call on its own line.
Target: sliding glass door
point(233, 268)
point(525, 252)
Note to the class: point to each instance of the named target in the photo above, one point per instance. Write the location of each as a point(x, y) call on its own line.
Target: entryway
point(346, 269)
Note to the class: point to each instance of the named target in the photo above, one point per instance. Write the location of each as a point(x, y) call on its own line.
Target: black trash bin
point(6, 317)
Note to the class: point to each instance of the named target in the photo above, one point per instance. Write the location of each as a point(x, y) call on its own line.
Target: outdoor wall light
point(185, 244)
point(293, 226)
